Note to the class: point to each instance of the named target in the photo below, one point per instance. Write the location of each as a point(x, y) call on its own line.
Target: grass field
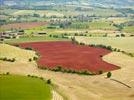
point(34, 39)
point(101, 25)
point(13, 87)
point(129, 29)
point(123, 43)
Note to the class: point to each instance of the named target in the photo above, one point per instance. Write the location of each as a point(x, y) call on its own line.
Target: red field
point(25, 25)
point(71, 56)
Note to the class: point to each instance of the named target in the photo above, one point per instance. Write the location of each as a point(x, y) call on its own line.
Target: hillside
point(100, 3)
point(14, 52)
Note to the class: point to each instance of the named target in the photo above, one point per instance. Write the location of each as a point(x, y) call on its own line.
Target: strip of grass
point(34, 39)
point(13, 87)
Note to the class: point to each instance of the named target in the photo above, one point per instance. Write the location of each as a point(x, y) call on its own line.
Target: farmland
point(34, 39)
point(17, 53)
point(22, 25)
point(68, 56)
point(14, 87)
point(123, 43)
point(66, 50)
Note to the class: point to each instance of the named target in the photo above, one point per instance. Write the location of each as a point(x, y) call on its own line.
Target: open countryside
point(66, 50)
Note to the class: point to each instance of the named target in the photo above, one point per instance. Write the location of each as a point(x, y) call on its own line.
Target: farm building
point(8, 35)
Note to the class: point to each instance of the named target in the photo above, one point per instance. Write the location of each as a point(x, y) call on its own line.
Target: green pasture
point(13, 87)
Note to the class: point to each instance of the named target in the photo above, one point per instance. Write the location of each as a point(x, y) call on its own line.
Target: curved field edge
point(77, 87)
point(22, 87)
point(54, 51)
point(125, 74)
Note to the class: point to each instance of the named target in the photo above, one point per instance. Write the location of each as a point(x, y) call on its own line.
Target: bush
point(49, 81)
point(29, 75)
point(7, 73)
point(12, 60)
point(30, 60)
point(117, 35)
point(82, 43)
point(5, 59)
point(28, 48)
point(122, 35)
point(35, 58)
point(109, 74)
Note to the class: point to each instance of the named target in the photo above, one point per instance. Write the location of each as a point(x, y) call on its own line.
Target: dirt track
point(77, 87)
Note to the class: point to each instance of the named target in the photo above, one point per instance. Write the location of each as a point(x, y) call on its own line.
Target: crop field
point(23, 25)
point(70, 56)
point(40, 12)
point(10, 52)
point(13, 87)
point(129, 29)
point(123, 43)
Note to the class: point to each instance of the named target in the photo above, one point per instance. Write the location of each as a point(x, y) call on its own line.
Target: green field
point(123, 43)
point(129, 29)
point(34, 39)
point(13, 87)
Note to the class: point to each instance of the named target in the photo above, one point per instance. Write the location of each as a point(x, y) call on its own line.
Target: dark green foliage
point(49, 81)
point(122, 35)
point(109, 74)
point(29, 59)
point(7, 73)
point(35, 58)
point(28, 48)
point(6, 59)
point(29, 75)
point(82, 43)
point(117, 35)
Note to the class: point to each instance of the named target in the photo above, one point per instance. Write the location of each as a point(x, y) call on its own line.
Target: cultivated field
point(10, 52)
point(13, 87)
point(123, 43)
point(77, 87)
point(24, 25)
point(66, 50)
point(70, 56)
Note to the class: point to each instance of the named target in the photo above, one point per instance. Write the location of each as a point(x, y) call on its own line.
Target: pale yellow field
point(40, 12)
point(123, 43)
point(10, 52)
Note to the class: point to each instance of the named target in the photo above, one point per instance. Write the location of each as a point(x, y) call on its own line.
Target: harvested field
point(24, 25)
point(70, 56)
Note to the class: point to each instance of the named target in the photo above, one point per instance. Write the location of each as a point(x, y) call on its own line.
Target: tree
point(109, 74)
point(49, 81)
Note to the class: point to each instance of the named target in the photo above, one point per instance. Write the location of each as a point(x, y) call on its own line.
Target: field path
point(56, 96)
